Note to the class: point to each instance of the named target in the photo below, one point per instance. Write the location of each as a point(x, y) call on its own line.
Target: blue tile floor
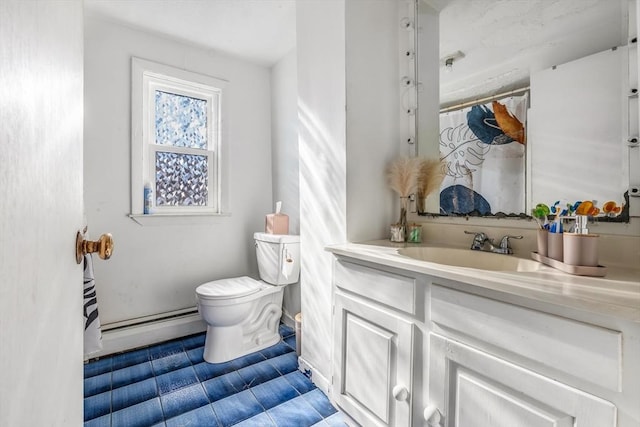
point(170, 385)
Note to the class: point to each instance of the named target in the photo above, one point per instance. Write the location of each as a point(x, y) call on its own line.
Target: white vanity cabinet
point(490, 365)
point(477, 389)
point(373, 345)
point(415, 347)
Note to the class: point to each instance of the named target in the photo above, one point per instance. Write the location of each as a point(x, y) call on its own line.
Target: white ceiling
point(503, 41)
point(262, 31)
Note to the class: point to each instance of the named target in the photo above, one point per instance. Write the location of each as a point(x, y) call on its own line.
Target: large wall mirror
point(533, 102)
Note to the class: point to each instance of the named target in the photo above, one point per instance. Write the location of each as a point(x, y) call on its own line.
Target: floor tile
point(201, 417)
point(143, 414)
point(170, 385)
point(286, 330)
point(274, 392)
point(133, 393)
point(170, 363)
point(291, 342)
point(249, 359)
point(195, 355)
point(183, 400)
point(166, 349)
point(260, 420)
point(236, 408)
point(300, 381)
point(258, 373)
point(194, 341)
point(103, 421)
point(132, 374)
point(296, 412)
point(206, 371)
point(336, 420)
point(130, 358)
point(97, 384)
point(175, 380)
point(276, 350)
point(285, 363)
point(98, 367)
point(97, 405)
point(220, 387)
point(320, 403)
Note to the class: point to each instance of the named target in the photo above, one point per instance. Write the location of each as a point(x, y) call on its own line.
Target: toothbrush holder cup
point(555, 246)
point(580, 249)
point(542, 242)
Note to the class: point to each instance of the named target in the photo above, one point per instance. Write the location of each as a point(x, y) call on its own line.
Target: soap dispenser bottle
point(580, 247)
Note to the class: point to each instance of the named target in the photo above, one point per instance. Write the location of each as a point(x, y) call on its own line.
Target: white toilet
point(243, 314)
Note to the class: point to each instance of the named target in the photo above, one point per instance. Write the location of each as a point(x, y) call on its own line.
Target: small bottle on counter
point(148, 194)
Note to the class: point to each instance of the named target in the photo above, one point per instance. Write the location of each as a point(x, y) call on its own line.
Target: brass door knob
point(103, 246)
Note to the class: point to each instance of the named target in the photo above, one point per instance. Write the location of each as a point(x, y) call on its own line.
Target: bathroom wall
point(322, 139)
point(285, 156)
point(156, 268)
point(348, 105)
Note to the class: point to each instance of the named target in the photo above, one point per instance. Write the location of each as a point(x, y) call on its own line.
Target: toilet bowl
point(242, 314)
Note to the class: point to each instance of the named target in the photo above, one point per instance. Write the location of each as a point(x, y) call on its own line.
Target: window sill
point(179, 219)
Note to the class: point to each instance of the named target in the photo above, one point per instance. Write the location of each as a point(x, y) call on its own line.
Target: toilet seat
point(234, 287)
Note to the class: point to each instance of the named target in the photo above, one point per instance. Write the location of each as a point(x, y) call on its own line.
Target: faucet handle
point(478, 235)
point(478, 239)
point(504, 242)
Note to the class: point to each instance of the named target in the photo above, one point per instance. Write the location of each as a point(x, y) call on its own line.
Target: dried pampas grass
point(430, 174)
point(403, 175)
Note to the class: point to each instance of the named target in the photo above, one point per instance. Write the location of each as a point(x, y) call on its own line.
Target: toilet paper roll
point(287, 264)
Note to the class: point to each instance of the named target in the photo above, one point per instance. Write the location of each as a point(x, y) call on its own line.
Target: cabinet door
point(373, 364)
point(472, 388)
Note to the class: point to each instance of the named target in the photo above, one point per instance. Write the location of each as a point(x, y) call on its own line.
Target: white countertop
point(617, 294)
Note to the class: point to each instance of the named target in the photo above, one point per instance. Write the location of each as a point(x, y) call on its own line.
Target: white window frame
point(146, 78)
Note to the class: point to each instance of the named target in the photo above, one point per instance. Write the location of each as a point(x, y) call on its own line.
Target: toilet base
point(225, 343)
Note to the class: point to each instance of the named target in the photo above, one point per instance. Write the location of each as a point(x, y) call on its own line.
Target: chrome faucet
point(482, 242)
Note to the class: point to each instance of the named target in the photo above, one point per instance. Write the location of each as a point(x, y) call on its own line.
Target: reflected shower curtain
point(484, 150)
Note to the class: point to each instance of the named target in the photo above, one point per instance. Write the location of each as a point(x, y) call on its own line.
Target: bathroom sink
point(471, 259)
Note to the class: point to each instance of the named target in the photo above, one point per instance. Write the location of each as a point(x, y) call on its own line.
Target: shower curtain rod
point(483, 100)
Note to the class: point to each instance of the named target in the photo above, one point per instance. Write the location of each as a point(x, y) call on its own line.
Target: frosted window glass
point(181, 179)
point(181, 121)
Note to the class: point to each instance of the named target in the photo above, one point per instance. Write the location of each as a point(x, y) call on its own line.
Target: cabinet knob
point(400, 393)
point(432, 415)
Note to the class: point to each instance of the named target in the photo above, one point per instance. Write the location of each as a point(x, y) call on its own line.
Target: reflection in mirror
point(488, 51)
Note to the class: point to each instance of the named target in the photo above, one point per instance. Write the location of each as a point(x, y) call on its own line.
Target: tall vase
point(404, 206)
point(399, 230)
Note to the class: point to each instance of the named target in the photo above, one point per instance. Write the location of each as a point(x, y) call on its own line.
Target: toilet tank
point(278, 257)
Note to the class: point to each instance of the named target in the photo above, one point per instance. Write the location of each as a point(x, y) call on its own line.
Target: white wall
point(156, 269)
point(321, 110)
point(345, 142)
point(373, 107)
point(285, 157)
point(41, 319)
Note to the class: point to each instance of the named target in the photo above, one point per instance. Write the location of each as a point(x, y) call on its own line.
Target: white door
point(41, 322)
point(472, 388)
point(373, 357)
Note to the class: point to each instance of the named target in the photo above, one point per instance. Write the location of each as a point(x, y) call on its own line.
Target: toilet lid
point(229, 288)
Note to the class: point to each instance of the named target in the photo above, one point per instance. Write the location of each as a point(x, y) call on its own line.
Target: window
point(177, 133)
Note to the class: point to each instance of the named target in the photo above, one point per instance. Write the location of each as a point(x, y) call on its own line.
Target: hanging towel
point(92, 330)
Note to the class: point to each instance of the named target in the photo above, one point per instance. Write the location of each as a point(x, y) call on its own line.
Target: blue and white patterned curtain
point(484, 150)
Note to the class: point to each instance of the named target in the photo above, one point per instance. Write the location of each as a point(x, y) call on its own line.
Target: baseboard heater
point(143, 331)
